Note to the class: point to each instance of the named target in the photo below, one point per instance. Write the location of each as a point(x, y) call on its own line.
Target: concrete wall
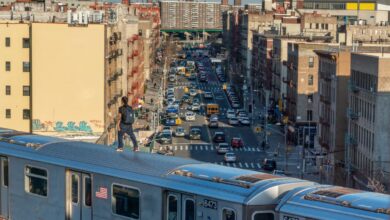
point(15, 78)
point(68, 78)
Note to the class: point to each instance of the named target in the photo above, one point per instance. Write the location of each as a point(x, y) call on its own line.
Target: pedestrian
point(125, 124)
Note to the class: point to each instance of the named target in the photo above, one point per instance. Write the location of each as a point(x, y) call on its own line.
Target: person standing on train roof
point(125, 120)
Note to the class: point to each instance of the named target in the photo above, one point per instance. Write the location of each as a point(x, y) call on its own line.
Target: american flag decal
point(102, 193)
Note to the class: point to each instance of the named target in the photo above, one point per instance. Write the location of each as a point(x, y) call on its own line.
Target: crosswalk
point(207, 147)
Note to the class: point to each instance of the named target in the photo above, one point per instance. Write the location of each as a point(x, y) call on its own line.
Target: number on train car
point(210, 204)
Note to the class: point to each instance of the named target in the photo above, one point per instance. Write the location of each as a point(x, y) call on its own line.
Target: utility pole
point(285, 147)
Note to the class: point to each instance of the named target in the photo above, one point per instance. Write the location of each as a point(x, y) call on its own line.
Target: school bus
point(212, 109)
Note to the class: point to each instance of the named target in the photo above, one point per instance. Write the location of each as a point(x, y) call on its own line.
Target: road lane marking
point(181, 147)
point(201, 147)
point(175, 148)
point(190, 147)
point(196, 147)
point(240, 164)
point(246, 165)
point(186, 147)
point(170, 148)
point(258, 166)
point(206, 147)
point(221, 163)
point(234, 164)
point(252, 165)
point(227, 164)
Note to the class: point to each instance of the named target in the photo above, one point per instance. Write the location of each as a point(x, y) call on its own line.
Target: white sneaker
point(119, 149)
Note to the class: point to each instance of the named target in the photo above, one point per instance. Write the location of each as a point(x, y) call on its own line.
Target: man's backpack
point(128, 116)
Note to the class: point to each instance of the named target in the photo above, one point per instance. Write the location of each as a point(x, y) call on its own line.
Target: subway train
point(47, 178)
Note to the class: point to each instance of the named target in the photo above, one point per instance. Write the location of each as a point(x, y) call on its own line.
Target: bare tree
point(376, 182)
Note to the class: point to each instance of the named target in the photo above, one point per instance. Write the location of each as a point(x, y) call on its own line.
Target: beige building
point(15, 91)
point(367, 34)
point(314, 24)
point(367, 142)
point(333, 71)
point(77, 91)
point(302, 89)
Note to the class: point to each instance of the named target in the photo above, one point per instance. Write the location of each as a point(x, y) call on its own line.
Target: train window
point(125, 201)
point(190, 209)
point(75, 188)
point(87, 191)
point(228, 214)
point(263, 216)
point(5, 172)
point(36, 181)
point(172, 207)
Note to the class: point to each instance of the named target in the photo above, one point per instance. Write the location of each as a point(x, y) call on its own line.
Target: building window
point(7, 90)
point(309, 115)
point(311, 62)
point(26, 113)
point(310, 98)
point(36, 181)
point(26, 42)
point(26, 90)
point(8, 113)
point(7, 42)
point(125, 201)
point(310, 80)
point(7, 66)
point(26, 66)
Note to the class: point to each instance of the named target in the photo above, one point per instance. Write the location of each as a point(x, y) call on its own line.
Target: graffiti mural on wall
point(70, 126)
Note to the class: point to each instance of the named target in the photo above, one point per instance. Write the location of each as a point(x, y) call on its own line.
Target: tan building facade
point(334, 71)
point(302, 89)
point(15, 91)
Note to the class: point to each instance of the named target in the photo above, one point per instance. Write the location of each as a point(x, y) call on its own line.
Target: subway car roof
point(334, 202)
point(174, 173)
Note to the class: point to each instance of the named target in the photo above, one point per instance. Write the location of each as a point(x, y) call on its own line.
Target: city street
point(249, 157)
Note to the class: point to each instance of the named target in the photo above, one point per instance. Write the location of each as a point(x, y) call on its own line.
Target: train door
point(180, 206)
point(4, 187)
point(78, 196)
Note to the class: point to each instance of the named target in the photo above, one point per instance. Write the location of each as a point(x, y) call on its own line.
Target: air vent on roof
point(211, 179)
point(34, 146)
point(256, 177)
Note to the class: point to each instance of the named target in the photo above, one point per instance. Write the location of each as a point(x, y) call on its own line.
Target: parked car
point(230, 157)
point(222, 148)
point(219, 137)
point(179, 132)
point(269, 164)
point(195, 133)
point(190, 116)
point(236, 142)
